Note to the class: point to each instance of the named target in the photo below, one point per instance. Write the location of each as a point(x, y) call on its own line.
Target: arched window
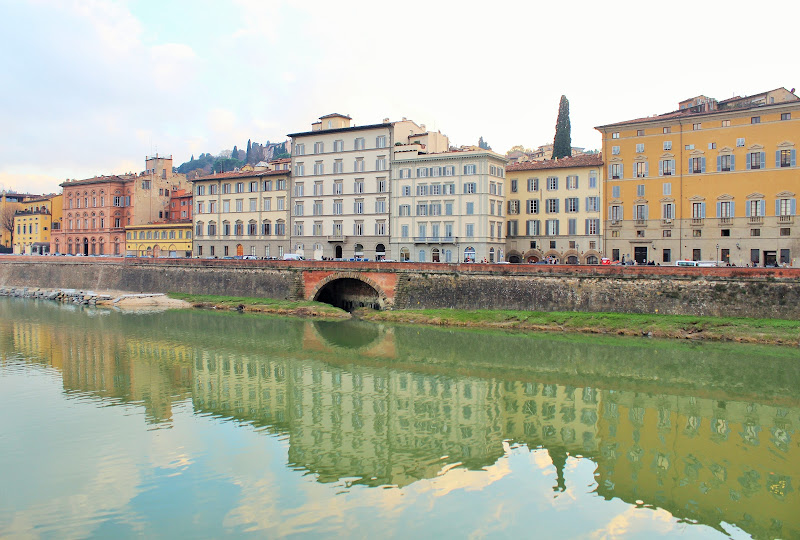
point(404, 254)
point(101, 247)
point(252, 227)
point(94, 246)
point(212, 228)
point(435, 255)
point(469, 254)
point(226, 228)
point(591, 259)
point(359, 250)
point(380, 252)
point(266, 227)
point(238, 229)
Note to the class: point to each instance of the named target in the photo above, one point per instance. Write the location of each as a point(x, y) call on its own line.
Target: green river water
point(195, 424)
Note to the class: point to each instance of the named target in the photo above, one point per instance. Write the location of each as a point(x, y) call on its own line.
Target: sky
point(91, 87)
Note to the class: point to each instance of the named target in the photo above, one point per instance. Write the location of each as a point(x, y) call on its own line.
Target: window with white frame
point(358, 185)
point(592, 204)
point(380, 163)
point(615, 150)
point(380, 141)
point(513, 207)
point(358, 228)
point(552, 183)
point(383, 186)
point(640, 169)
point(338, 187)
point(616, 171)
point(358, 165)
point(337, 207)
point(404, 210)
point(572, 182)
point(551, 227)
point(551, 206)
point(470, 169)
point(668, 211)
point(338, 167)
point(422, 190)
point(319, 168)
point(639, 148)
point(338, 145)
point(571, 205)
point(358, 144)
point(406, 191)
point(533, 184)
point(298, 208)
point(299, 169)
point(470, 187)
point(405, 173)
point(358, 206)
point(317, 209)
point(299, 149)
point(380, 206)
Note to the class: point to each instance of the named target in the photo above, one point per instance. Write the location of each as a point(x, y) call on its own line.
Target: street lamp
point(717, 260)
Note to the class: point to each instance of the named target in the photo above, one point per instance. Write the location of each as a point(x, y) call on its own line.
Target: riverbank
point(742, 330)
point(117, 299)
point(261, 305)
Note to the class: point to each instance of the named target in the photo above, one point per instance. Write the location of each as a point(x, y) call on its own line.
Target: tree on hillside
point(483, 144)
point(248, 156)
point(562, 144)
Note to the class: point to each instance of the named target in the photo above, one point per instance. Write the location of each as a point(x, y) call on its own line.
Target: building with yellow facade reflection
point(159, 240)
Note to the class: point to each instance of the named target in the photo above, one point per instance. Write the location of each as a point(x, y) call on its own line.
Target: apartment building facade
point(553, 210)
point(159, 240)
point(340, 197)
point(709, 181)
point(33, 224)
point(241, 214)
point(447, 206)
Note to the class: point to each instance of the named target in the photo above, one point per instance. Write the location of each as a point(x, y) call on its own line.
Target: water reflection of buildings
point(378, 415)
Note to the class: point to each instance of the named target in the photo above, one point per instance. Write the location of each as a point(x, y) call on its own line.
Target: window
point(380, 206)
point(552, 183)
point(299, 169)
point(667, 145)
point(358, 228)
point(405, 210)
point(666, 130)
point(448, 208)
point(533, 184)
point(280, 229)
point(697, 233)
point(319, 168)
point(689, 147)
point(640, 148)
point(239, 205)
point(697, 165)
point(406, 191)
point(666, 167)
point(267, 204)
point(404, 231)
point(551, 227)
point(319, 147)
point(281, 203)
point(572, 182)
point(616, 171)
point(513, 207)
point(422, 209)
point(358, 186)
point(338, 145)
point(239, 187)
point(724, 209)
point(640, 190)
point(785, 231)
point(668, 211)
point(358, 144)
point(755, 119)
point(592, 204)
point(513, 186)
point(267, 185)
point(380, 163)
point(615, 150)
point(298, 228)
point(358, 165)
point(299, 189)
point(382, 185)
point(696, 127)
point(666, 255)
point(337, 207)
point(299, 149)
point(666, 188)
point(380, 227)
point(785, 207)
point(754, 208)
point(640, 169)
point(698, 210)
point(592, 180)
point(253, 205)
point(755, 232)
point(380, 141)
point(740, 142)
point(726, 123)
point(592, 226)
point(640, 133)
point(640, 212)
point(337, 187)
point(532, 227)
point(616, 213)
point(712, 146)
point(470, 169)
point(726, 163)
point(786, 116)
point(785, 158)
point(338, 167)
point(551, 206)
point(571, 205)
point(405, 173)
point(533, 206)
point(317, 209)
point(615, 192)
point(422, 190)
point(615, 135)
point(470, 187)
point(470, 209)
point(755, 160)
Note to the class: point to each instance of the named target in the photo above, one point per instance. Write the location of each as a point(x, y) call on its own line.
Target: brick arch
point(383, 298)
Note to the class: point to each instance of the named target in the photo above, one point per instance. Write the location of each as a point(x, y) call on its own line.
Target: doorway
point(770, 258)
point(239, 250)
point(338, 252)
point(640, 254)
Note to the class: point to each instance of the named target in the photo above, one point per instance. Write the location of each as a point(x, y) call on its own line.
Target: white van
point(292, 257)
point(697, 263)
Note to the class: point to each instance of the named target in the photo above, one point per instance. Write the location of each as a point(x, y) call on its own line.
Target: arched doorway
point(338, 252)
point(572, 259)
point(380, 252)
point(359, 251)
point(405, 254)
point(491, 255)
point(239, 250)
point(156, 251)
point(514, 259)
point(469, 254)
point(149, 252)
point(592, 259)
point(435, 255)
point(86, 246)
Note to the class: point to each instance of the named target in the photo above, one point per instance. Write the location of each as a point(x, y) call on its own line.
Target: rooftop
point(95, 180)
point(583, 160)
point(240, 174)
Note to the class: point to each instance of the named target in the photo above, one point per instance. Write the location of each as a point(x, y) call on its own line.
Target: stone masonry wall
point(739, 292)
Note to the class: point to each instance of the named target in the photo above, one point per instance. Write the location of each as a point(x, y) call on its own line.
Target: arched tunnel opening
point(349, 294)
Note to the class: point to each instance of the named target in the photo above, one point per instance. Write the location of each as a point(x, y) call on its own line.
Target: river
point(197, 424)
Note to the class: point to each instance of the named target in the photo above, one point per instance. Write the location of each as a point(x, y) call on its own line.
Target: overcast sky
point(91, 87)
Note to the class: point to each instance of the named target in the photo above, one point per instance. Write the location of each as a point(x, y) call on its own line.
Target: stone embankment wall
point(699, 295)
point(738, 292)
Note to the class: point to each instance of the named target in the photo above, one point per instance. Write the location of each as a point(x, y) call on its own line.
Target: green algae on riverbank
point(262, 305)
point(744, 330)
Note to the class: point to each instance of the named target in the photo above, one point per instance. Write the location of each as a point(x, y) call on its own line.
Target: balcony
point(725, 221)
point(337, 238)
point(667, 222)
point(641, 223)
point(615, 222)
point(785, 219)
point(697, 222)
point(754, 220)
point(435, 239)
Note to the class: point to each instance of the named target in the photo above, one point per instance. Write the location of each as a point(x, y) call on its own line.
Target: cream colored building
point(240, 214)
point(340, 199)
point(554, 210)
point(447, 206)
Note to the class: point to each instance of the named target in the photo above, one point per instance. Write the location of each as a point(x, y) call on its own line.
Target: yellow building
point(709, 181)
point(33, 223)
point(553, 210)
point(9, 203)
point(159, 240)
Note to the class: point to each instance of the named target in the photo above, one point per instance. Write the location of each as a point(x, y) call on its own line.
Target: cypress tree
point(562, 144)
point(249, 147)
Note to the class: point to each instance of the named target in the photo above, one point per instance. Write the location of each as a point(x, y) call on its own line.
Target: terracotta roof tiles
point(584, 160)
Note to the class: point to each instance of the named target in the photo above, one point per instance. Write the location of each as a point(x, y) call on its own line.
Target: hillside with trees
point(229, 160)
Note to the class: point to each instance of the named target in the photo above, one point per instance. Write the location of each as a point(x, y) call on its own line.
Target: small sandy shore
point(132, 301)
